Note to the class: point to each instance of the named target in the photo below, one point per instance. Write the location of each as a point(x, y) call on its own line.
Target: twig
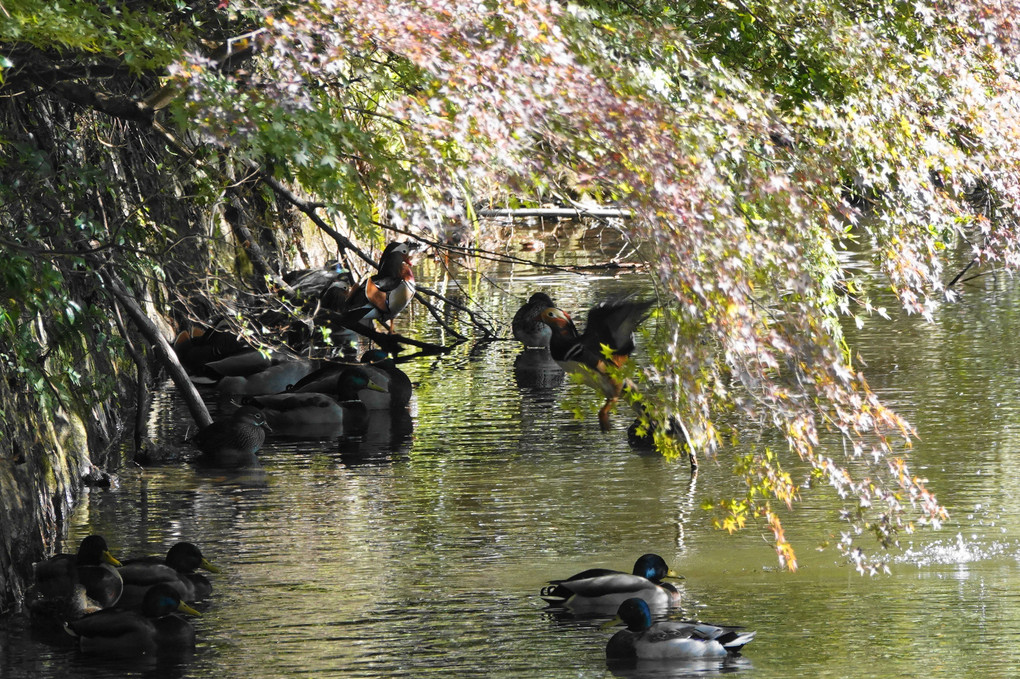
point(959, 275)
point(578, 212)
point(388, 341)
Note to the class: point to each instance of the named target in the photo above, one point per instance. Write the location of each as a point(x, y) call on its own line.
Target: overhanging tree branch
point(164, 352)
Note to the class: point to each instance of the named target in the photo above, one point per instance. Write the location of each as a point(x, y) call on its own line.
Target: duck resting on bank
point(384, 295)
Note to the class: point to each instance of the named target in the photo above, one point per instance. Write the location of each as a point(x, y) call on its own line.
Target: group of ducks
point(633, 597)
point(606, 343)
point(121, 609)
point(294, 396)
point(130, 608)
point(302, 399)
point(299, 397)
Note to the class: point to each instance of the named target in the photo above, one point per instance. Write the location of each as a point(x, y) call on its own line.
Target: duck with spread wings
point(608, 339)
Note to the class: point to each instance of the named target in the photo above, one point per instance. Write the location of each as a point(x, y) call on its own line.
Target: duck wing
point(612, 323)
point(612, 583)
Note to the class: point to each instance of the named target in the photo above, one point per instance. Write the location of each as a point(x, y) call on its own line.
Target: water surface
point(419, 551)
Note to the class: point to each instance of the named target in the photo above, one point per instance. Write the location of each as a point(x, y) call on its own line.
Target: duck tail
point(554, 594)
point(737, 642)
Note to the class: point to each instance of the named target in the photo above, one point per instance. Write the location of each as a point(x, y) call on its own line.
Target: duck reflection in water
point(676, 669)
point(536, 371)
point(387, 439)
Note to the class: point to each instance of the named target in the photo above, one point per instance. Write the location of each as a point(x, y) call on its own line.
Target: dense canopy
point(753, 142)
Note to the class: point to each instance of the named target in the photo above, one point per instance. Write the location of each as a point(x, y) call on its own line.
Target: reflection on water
point(420, 548)
point(665, 669)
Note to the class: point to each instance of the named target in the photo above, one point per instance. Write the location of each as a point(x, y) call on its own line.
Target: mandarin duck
point(610, 324)
point(382, 296)
point(232, 441)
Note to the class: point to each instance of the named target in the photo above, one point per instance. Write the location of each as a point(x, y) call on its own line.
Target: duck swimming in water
point(601, 590)
point(527, 325)
point(120, 633)
point(339, 410)
point(232, 441)
point(176, 569)
point(383, 371)
point(668, 640)
point(93, 568)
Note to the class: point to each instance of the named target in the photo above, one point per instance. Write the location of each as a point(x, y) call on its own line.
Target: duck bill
point(111, 559)
point(611, 623)
point(673, 575)
point(185, 608)
point(208, 566)
point(375, 387)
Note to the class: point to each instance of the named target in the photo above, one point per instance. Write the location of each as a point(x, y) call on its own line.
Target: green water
point(421, 553)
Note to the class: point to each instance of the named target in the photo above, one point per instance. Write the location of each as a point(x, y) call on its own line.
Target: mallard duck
point(241, 364)
point(382, 296)
point(345, 382)
point(609, 324)
point(383, 371)
point(601, 590)
point(93, 568)
point(339, 409)
point(670, 640)
point(176, 569)
point(527, 325)
point(232, 441)
point(312, 283)
point(56, 596)
point(120, 633)
point(272, 380)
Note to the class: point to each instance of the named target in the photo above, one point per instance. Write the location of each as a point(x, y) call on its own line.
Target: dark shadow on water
point(387, 439)
point(162, 666)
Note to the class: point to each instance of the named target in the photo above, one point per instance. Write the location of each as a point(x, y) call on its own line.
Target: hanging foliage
point(753, 142)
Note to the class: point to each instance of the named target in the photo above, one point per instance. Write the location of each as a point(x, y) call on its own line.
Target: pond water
point(420, 550)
